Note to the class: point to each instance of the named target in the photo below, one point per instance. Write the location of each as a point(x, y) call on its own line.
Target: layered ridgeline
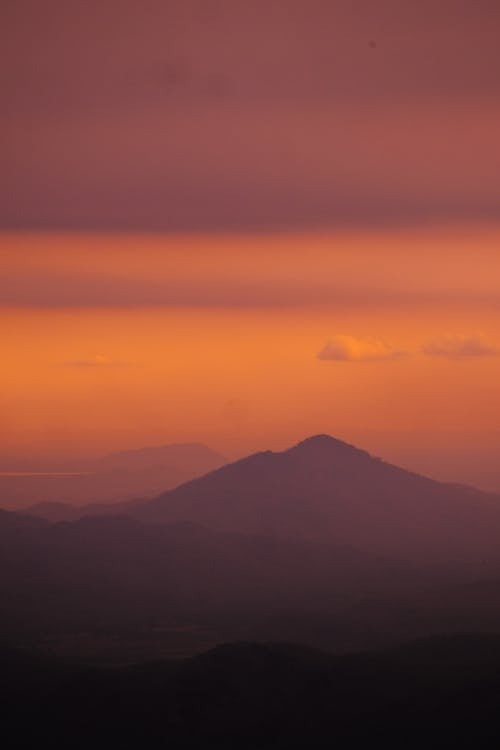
point(319, 544)
point(324, 489)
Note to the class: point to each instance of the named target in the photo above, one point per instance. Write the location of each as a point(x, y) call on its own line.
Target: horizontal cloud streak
point(341, 348)
point(333, 270)
point(457, 346)
point(282, 169)
point(98, 360)
point(68, 291)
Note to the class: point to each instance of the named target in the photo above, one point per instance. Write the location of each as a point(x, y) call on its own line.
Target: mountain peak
point(322, 444)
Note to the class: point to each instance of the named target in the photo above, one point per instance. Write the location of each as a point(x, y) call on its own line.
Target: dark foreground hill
point(442, 692)
point(115, 574)
point(116, 589)
point(321, 544)
point(323, 489)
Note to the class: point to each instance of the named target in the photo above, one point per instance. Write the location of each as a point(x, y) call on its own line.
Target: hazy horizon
point(469, 457)
point(388, 338)
point(246, 223)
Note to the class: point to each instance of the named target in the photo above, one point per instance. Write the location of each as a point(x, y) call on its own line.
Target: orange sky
point(321, 246)
point(113, 341)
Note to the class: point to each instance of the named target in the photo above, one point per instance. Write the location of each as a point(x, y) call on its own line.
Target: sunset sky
point(242, 223)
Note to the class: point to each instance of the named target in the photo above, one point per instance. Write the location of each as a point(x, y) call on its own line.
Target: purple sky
point(182, 115)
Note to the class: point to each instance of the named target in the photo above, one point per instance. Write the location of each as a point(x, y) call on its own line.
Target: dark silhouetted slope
point(325, 489)
point(441, 692)
point(321, 543)
point(117, 571)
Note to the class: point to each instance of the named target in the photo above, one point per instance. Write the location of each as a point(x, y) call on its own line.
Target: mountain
point(324, 489)
point(56, 511)
point(436, 692)
point(321, 543)
point(179, 459)
point(118, 477)
point(118, 573)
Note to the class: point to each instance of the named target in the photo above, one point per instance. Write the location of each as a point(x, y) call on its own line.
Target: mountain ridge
point(325, 488)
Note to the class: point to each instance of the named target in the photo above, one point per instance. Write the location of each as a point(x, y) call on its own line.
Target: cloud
point(133, 136)
point(24, 289)
point(98, 360)
point(342, 348)
point(457, 346)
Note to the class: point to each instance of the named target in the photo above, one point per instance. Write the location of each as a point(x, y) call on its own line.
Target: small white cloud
point(342, 348)
point(456, 346)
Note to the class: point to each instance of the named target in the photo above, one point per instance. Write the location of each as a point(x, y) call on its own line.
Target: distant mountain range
point(326, 490)
point(113, 478)
point(321, 543)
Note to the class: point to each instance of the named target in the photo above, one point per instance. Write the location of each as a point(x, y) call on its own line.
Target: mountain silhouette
point(118, 477)
point(436, 692)
point(325, 489)
point(183, 458)
point(321, 543)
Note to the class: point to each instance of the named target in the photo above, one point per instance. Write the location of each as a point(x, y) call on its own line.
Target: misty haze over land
point(320, 544)
point(115, 477)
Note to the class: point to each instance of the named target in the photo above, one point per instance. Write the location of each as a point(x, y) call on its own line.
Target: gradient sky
point(243, 223)
point(216, 114)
